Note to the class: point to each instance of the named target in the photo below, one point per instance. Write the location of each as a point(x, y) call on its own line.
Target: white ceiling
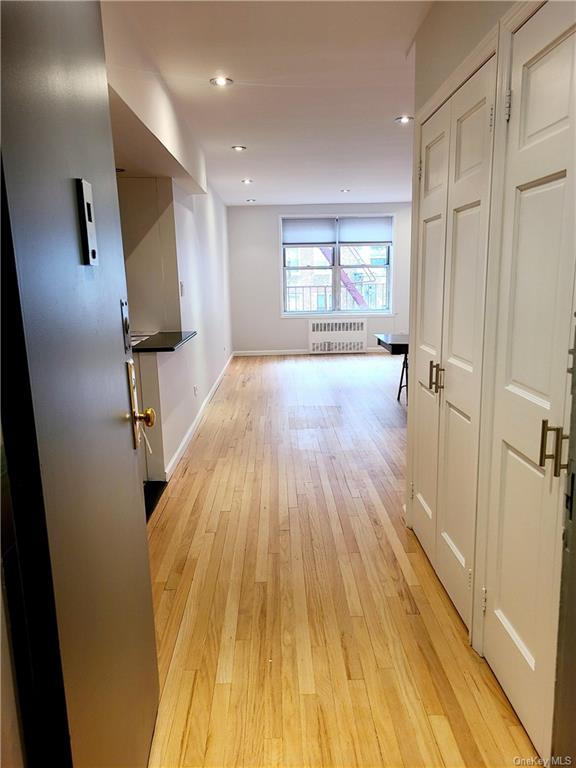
point(317, 86)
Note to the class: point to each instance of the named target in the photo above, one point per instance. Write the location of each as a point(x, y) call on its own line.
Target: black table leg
point(402, 385)
point(406, 366)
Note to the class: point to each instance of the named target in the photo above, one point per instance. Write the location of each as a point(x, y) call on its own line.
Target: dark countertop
point(164, 341)
point(395, 343)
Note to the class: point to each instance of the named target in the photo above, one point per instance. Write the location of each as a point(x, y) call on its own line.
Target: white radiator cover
point(347, 334)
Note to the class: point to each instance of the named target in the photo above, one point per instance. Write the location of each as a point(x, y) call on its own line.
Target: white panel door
point(531, 382)
point(428, 333)
point(462, 332)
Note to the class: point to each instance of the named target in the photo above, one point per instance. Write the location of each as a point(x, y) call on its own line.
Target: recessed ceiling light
point(344, 190)
point(238, 148)
point(250, 200)
point(247, 181)
point(221, 81)
point(404, 119)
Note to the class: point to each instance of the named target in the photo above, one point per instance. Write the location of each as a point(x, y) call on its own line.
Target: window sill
point(335, 315)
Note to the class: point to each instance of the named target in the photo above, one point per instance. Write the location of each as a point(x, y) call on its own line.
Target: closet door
point(462, 332)
point(428, 333)
point(531, 382)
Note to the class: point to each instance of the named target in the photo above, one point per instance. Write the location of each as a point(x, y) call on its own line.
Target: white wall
point(202, 248)
point(200, 230)
point(134, 79)
point(148, 237)
point(256, 275)
point(450, 31)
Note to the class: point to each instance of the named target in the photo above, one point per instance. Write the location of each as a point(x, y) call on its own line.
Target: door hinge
point(420, 170)
point(484, 599)
point(508, 105)
point(470, 578)
point(411, 490)
point(491, 118)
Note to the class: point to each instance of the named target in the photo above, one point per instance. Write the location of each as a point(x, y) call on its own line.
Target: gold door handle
point(437, 385)
point(560, 437)
point(556, 454)
point(434, 372)
point(431, 368)
point(148, 417)
point(544, 443)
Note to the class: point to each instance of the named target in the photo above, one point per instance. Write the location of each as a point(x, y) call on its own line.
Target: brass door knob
point(148, 417)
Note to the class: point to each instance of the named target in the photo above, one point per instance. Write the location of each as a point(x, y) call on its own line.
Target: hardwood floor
point(298, 621)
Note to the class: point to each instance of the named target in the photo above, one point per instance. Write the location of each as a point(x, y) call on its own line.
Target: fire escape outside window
point(337, 264)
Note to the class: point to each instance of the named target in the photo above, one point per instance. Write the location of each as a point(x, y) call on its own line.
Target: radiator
point(346, 335)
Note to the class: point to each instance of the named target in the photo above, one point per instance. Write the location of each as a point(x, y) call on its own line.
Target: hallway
point(298, 622)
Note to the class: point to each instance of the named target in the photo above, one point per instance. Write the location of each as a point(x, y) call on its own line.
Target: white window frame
point(336, 311)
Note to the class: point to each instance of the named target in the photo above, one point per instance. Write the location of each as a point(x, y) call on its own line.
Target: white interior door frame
point(486, 48)
point(522, 513)
point(467, 222)
point(483, 51)
point(498, 41)
point(518, 15)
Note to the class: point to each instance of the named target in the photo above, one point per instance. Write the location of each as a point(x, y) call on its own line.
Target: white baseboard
point(261, 352)
point(173, 463)
point(279, 352)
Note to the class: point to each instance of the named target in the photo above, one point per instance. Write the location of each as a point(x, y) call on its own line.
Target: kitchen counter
point(163, 341)
point(166, 376)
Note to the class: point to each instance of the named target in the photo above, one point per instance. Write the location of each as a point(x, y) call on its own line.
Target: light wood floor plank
point(298, 621)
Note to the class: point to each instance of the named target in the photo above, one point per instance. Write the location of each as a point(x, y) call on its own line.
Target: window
point(337, 264)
